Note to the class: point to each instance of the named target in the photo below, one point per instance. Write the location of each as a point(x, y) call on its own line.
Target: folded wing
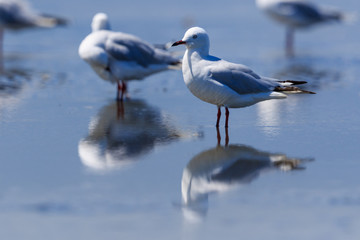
point(241, 79)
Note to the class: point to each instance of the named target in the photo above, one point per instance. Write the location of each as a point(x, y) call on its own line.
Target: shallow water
point(75, 164)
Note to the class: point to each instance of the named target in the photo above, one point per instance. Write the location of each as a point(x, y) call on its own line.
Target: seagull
point(119, 57)
point(223, 83)
point(298, 14)
point(17, 15)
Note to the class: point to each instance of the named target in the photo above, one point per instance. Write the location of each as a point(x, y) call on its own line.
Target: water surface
point(75, 164)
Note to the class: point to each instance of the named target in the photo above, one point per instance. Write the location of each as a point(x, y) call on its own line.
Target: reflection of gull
point(119, 57)
point(270, 114)
point(297, 14)
point(224, 167)
point(13, 88)
point(16, 14)
point(122, 132)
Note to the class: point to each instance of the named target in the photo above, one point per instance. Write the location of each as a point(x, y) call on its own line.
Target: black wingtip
point(310, 92)
point(291, 89)
point(59, 21)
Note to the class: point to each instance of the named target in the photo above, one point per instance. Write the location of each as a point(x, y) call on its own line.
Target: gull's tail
point(330, 14)
point(349, 17)
point(46, 20)
point(175, 65)
point(287, 87)
point(291, 89)
point(163, 46)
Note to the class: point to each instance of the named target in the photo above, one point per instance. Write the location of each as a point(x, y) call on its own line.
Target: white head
point(100, 22)
point(196, 39)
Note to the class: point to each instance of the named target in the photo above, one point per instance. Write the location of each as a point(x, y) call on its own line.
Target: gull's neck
point(190, 66)
point(202, 51)
point(101, 24)
point(265, 3)
point(194, 55)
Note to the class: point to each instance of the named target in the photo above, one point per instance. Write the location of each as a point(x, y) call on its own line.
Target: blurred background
point(76, 164)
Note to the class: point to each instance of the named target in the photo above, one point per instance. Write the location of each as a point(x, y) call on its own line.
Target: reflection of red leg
point(227, 113)
point(289, 42)
point(218, 136)
point(1, 51)
point(226, 137)
point(120, 109)
point(119, 91)
point(218, 117)
point(124, 90)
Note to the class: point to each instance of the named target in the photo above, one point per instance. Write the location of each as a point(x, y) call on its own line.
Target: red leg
point(121, 90)
point(218, 117)
point(227, 113)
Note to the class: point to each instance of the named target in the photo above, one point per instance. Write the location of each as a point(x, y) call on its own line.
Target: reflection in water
point(17, 83)
point(270, 113)
point(269, 116)
point(13, 86)
point(122, 132)
point(221, 168)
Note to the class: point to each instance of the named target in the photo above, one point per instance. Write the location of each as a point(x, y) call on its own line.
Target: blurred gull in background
point(119, 57)
point(17, 15)
point(299, 14)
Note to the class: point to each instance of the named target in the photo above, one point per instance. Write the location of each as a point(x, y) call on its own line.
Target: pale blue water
point(74, 165)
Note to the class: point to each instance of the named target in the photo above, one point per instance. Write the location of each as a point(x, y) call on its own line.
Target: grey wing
point(130, 48)
point(242, 82)
point(18, 15)
point(301, 10)
point(13, 15)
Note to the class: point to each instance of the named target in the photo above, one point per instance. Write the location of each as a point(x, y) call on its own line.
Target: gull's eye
point(194, 36)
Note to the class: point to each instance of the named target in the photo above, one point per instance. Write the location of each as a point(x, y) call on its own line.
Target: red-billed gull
point(298, 14)
point(223, 83)
point(119, 57)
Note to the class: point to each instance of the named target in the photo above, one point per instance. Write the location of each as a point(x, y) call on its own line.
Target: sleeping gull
point(298, 14)
point(16, 15)
point(223, 83)
point(119, 57)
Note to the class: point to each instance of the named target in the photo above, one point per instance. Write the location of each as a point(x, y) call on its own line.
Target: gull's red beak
point(178, 43)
